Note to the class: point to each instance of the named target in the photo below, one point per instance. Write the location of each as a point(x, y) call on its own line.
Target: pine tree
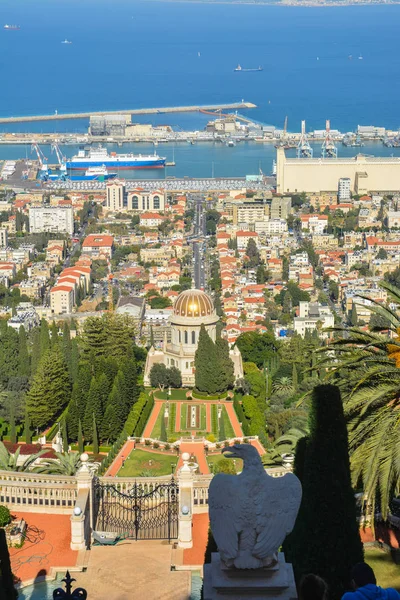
point(44, 338)
point(110, 424)
point(130, 371)
point(67, 346)
point(295, 378)
point(24, 368)
point(116, 400)
point(77, 404)
point(206, 364)
point(50, 389)
point(109, 367)
point(35, 356)
point(93, 339)
point(13, 432)
point(328, 506)
point(64, 435)
point(95, 436)
point(27, 429)
point(80, 438)
point(151, 341)
point(53, 334)
point(354, 316)
point(225, 365)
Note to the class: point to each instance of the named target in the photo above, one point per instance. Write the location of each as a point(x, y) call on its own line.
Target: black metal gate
point(143, 512)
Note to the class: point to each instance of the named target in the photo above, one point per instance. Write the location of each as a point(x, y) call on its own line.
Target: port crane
point(304, 149)
point(329, 149)
point(61, 159)
point(44, 167)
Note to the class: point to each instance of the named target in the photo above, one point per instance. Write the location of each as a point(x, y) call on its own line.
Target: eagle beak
point(229, 452)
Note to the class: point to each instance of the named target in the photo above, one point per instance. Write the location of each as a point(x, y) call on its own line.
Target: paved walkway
point(153, 418)
point(178, 417)
point(195, 556)
point(47, 545)
point(121, 456)
point(233, 418)
point(196, 448)
point(133, 570)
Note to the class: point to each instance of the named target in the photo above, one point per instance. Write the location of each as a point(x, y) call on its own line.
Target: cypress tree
point(225, 365)
point(95, 436)
point(50, 389)
point(44, 337)
point(13, 432)
point(27, 429)
point(328, 505)
point(77, 404)
point(74, 359)
point(80, 437)
point(206, 364)
point(111, 424)
point(151, 341)
point(95, 405)
point(35, 356)
point(64, 433)
point(24, 368)
point(129, 369)
point(117, 399)
point(67, 347)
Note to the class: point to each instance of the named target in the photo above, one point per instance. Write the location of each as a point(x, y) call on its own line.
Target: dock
point(135, 111)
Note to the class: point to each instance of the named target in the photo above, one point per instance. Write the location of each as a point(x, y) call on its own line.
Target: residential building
point(142, 201)
point(280, 207)
point(393, 219)
point(98, 245)
point(61, 299)
point(150, 219)
point(344, 189)
point(313, 316)
point(115, 192)
point(248, 212)
point(243, 238)
point(52, 219)
point(271, 227)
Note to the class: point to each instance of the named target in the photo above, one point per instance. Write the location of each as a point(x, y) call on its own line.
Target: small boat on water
point(240, 68)
point(66, 41)
point(12, 27)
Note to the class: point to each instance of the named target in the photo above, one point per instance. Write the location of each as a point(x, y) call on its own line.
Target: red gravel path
point(178, 417)
point(195, 555)
point(197, 449)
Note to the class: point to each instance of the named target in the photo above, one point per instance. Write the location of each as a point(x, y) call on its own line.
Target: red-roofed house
point(151, 219)
point(98, 245)
point(62, 299)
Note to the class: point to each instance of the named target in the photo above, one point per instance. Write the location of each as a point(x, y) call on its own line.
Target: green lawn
point(213, 459)
point(175, 394)
point(155, 434)
point(185, 408)
point(183, 417)
point(386, 571)
point(227, 424)
point(137, 464)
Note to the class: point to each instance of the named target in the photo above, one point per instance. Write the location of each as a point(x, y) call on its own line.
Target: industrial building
point(113, 125)
point(366, 174)
point(51, 219)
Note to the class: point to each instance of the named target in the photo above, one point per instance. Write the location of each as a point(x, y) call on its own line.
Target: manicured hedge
point(241, 416)
point(139, 414)
point(203, 396)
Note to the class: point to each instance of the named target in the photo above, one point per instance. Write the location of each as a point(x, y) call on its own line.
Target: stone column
point(185, 515)
point(83, 508)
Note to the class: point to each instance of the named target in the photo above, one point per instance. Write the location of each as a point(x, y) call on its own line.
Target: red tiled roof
point(98, 240)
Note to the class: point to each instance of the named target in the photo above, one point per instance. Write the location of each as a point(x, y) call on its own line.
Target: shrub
point(211, 437)
point(5, 516)
point(218, 446)
point(147, 442)
point(156, 445)
point(226, 444)
point(167, 446)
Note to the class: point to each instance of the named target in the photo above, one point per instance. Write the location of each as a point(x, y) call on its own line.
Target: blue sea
point(132, 54)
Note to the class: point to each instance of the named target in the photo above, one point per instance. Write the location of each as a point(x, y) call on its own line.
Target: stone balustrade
point(32, 492)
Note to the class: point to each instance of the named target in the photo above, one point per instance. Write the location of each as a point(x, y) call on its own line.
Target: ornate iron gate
point(144, 512)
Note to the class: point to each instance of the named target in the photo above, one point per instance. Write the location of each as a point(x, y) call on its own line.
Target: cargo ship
point(99, 157)
point(12, 27)
point(240, 68)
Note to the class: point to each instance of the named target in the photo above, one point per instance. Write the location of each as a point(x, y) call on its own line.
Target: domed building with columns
point(192, 308)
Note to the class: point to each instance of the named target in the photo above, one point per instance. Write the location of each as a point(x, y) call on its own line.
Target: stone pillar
point(185, 515)
point(83, 506)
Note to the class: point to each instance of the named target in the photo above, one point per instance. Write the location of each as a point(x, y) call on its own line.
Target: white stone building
point(51, 219)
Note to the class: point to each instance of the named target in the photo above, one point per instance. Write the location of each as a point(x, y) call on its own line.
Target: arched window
point(156, 202)
point(186, 337)
point(172, 362)
point(193, 337)
point(187, 365)
point(135, 202)
point(179, 332)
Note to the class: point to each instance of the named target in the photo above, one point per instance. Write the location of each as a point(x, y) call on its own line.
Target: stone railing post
point(185, 518)
point(82, 509)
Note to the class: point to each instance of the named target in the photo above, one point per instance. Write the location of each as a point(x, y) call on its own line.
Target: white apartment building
point(143, 201)
point(344, 189)
point(51, 219)
point(115, 191)
point(313, 316)
point(393, 218)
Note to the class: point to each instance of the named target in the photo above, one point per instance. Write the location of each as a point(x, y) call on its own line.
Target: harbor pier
point(135, 111)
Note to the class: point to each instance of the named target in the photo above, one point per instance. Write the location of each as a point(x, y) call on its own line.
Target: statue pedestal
point(249, 584)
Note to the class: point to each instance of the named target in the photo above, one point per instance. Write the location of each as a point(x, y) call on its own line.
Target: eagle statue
point(251, 513)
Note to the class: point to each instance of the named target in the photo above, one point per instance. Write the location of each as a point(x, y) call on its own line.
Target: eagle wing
point(225, 514)
point(277, 505)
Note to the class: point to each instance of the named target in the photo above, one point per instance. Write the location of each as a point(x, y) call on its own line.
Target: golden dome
point(193, 303)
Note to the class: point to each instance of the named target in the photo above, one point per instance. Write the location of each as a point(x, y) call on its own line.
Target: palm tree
point(366, 367)
point(9, 461)
point(283, 386)
point(63, 464)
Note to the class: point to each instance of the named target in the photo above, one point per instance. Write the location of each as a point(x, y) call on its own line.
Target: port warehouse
point(366, 174)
